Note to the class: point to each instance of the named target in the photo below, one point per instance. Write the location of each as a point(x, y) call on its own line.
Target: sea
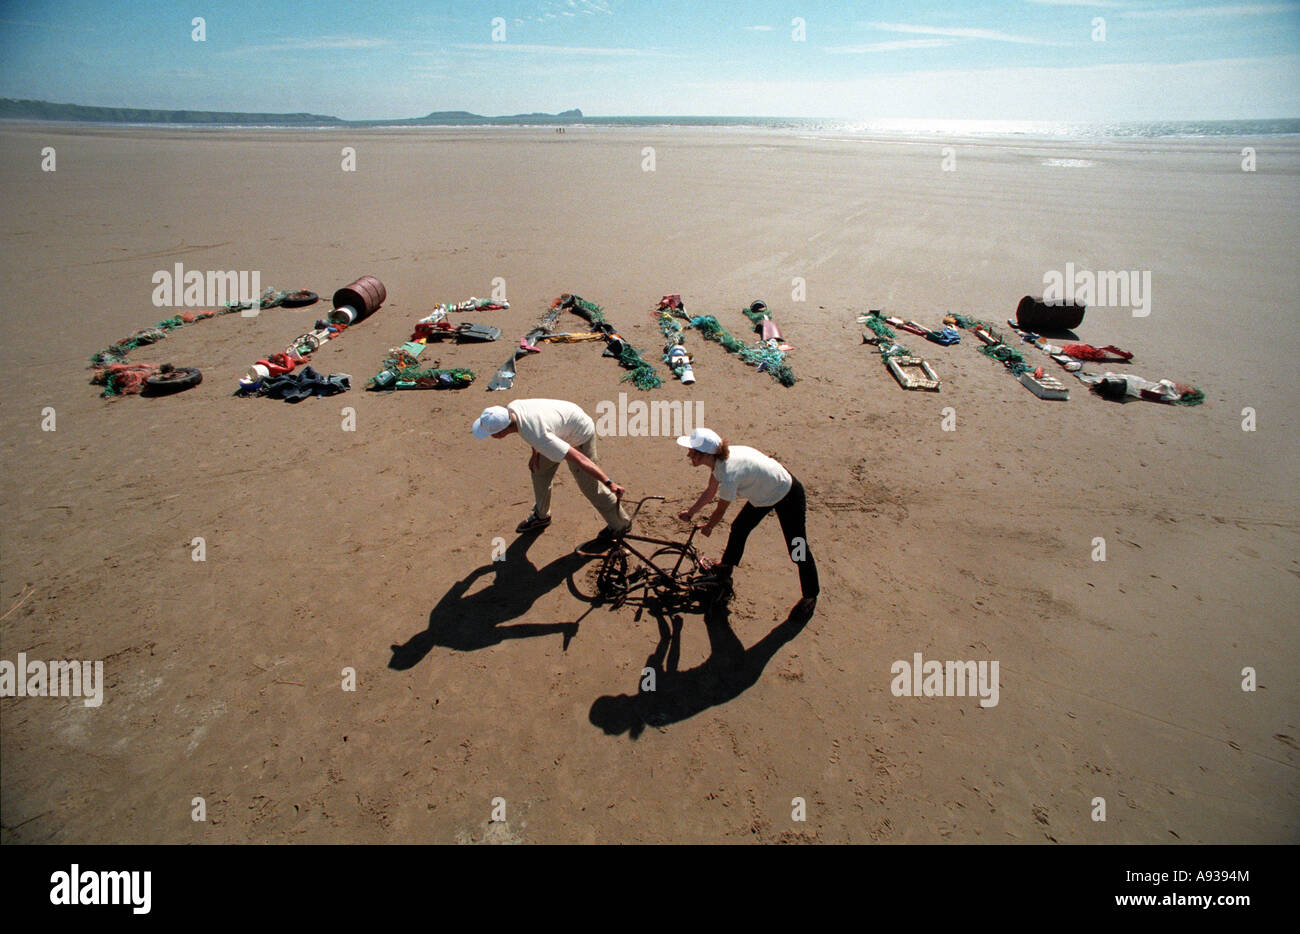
point(813, 127)
point(1187, 129)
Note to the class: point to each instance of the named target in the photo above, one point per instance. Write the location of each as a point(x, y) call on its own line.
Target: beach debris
point(1118, 387)
point(169, 380)
point(431, 331)
point(1071, 356)
point(505, 374)
point(300, 299)
point(1114, 386)
point(670, 315)
point(993, 345)
point(914, 327)
point(354, 302)
point(1044, 386)
point(357, 301)
point(1035, 314)
point(766, 357)
point(912, 372)
point(569, 337)
point(294, 387)
point(471, 304)
point(436, 325)
point(402, 369)
point(110, 369)
point(642, 374)
point(944, 337)
point(1069, 363)
point(1108, 354)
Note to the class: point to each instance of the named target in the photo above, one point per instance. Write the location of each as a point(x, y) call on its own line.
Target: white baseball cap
point(702, 440)
point(494, 419)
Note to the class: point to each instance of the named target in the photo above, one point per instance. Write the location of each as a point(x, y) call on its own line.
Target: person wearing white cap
point(738, 472)
point(557, 431)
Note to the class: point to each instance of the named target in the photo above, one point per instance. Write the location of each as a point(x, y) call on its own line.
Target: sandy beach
point(324, 547)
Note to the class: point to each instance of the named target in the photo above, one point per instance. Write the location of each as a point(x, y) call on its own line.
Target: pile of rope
point(110, 369)
point(764, 357)
point(641, 373)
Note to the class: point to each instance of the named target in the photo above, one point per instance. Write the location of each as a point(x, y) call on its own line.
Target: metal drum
point(1033, 314)
point(363, 296)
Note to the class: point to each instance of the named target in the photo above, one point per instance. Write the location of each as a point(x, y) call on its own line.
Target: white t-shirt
point(752, 475)
point(552, 426)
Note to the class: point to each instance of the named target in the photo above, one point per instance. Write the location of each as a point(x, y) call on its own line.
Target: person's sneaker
point(609, 535)
point(533, 523)
point(605, 539)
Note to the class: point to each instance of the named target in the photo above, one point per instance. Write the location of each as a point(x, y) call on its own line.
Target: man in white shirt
point(738, 472)
point(557, 431)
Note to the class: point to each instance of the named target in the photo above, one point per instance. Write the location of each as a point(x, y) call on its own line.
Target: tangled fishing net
point(766, 358)
point(433, 378)
point(887, 344)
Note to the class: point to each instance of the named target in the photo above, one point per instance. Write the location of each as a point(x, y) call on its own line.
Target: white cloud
point(1088, 3)
point(312, 44)
point(1250, 9)
point(958, 32)
point(552, 9)
point(555, 49)
point(895, 45)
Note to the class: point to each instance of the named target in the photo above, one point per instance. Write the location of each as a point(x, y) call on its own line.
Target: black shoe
point(609, 536)
point(606, 539)
point(533, 523)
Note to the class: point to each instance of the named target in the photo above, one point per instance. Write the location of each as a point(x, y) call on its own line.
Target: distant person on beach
point(739, 472)
point(558, 431)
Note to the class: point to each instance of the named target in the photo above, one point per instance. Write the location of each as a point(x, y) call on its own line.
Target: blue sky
point(997, 60)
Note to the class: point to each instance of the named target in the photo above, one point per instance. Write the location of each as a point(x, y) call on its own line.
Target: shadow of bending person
point(729, 671)
point(467, 623)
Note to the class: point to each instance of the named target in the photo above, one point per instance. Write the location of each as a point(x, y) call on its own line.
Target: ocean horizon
point(831, 128)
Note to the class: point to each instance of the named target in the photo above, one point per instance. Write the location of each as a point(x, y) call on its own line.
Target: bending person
point(557, 431)
point(744, 473)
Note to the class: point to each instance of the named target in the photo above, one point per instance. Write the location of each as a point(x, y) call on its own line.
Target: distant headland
point(11, 109)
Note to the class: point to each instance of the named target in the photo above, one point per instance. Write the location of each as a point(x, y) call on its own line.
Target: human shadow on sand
point(467, 623)
point(728, 672)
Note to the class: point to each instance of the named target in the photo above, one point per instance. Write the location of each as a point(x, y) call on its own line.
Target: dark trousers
point(792, 511)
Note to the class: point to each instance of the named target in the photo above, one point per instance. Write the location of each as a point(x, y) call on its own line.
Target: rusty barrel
point(364, 296)
point(1034, 314)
